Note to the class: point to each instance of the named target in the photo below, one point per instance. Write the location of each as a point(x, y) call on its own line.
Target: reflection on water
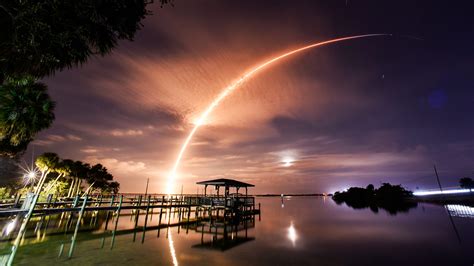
point(307, 231)
point(392, 207)
point(292, 233)
point(173, 252)
point(460, 210)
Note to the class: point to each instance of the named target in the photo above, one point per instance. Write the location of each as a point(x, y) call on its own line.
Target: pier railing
point(129, 201)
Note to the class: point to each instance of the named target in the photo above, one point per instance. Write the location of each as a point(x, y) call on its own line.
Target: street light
point(29, 176)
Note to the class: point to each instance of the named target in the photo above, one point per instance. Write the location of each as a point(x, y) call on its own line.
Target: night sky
point(364, 111)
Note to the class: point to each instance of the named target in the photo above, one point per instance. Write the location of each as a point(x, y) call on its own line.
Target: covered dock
point(227, 199)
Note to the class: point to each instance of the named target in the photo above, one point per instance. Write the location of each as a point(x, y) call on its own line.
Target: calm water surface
point(301, 231)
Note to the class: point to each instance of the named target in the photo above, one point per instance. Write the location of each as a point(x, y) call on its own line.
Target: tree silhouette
point(39, 37)
point(46, 163)
point(25, 109)
point(466, 182)
point(392, 198)
point(99, 177)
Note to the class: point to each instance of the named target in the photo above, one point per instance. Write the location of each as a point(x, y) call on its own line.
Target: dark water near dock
point(302, 231)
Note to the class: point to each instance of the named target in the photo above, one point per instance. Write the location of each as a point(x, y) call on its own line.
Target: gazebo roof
point(225, 182)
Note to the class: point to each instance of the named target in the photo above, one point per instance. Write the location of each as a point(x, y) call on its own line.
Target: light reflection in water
point(172, 250)
point(292, 234)
point(9, 227)
point(460, 210)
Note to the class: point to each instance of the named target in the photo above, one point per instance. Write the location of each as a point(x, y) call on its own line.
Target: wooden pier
point(208, 213)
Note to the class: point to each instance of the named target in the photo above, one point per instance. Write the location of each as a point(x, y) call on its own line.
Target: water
point(302, 231)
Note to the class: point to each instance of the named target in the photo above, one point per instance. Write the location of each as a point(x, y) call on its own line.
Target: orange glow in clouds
point(233, 86)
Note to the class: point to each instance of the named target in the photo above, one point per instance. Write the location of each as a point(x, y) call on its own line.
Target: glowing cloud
point(236, 84)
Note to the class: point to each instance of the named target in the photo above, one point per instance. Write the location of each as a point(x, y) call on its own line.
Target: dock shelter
point(227, 199)
point(227, 184)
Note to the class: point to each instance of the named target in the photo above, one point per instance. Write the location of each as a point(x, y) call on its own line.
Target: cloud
point(54, 138)
point(73, 137)
point(132, 110)
point(89, 150)
point(116, 165)
point(126, 133)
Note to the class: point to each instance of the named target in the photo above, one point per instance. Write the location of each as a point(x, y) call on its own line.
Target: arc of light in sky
point(236, 84)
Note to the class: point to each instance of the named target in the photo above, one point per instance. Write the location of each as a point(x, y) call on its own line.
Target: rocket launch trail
point(236, 84)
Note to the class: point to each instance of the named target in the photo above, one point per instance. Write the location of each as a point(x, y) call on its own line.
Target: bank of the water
point(292, 231)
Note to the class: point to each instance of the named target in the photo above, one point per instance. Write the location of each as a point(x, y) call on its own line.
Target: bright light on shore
point(438, 192)
point(31, 175)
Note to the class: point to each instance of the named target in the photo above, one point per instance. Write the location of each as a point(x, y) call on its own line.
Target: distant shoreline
point(466, 199)
point(293, 195)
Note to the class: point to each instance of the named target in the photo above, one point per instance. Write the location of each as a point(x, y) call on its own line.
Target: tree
point(113, 187)
point(466, 182)
point(370, 187)
point(99, 177)
point(25, 109)
point(39, 37)
point(79, 172)
point(46, 163)
point(62, 169)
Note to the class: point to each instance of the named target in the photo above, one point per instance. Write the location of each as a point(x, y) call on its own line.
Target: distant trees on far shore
point(392, 198)
point(466, 182)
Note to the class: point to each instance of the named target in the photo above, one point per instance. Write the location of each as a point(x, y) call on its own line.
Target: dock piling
point(73, 240)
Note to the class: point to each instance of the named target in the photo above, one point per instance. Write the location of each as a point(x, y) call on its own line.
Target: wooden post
point(137, 215)
point(108, 212)
point(146, 218)
point(437, 178)
point(61, 248)
point(102, 242)
point(189, 217)
point(161, 214)
point(146, 189)
point(22, 229)
point(202, 234)
point(76, 201)
point(68, 223)
point(73, 240)
point(138, 211)
point(17, 201)
point(116, 222)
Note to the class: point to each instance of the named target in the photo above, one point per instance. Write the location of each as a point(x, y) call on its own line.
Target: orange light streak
point(236, 84)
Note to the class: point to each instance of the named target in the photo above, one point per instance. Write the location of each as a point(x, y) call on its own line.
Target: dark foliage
point(39, 37)
point(392, 198)
point(466, 182)
point(25, 109)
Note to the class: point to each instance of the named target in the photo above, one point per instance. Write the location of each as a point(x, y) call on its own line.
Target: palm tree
point(38, 43)
point(62, 169)
point(25, 109)
point(46, 163)
point(79, 172)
